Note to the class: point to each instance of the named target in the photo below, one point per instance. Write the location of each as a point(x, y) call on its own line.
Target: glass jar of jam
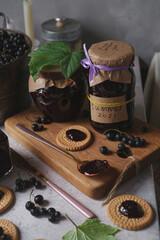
point(111, 91)
point(5, 158)
point(57, 98)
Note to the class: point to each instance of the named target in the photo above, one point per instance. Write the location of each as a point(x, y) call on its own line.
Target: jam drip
point(75, 135)
point(94, 167)
point(131, 209)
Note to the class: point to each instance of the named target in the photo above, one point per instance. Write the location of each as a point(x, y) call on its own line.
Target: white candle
point(28, 19)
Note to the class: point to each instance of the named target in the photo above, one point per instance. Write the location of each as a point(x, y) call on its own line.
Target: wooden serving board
point(97, 186)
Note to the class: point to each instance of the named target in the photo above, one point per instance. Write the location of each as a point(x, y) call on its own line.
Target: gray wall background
point(134, 21)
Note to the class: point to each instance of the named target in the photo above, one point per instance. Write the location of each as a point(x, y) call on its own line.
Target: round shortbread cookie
point(68, 144)
point(9, 229)
point(122, 221)
point(6, 200)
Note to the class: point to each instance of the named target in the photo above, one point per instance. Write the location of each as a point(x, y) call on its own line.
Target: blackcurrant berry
point(137, 139)
point(57, 214)
point(26, 184)
point(38, 185)
point(43, 211)
point(35, 212)
point(41, 127)
point(142, 142)
point(137, 143)
point(18, 181)
point(110, 135)
point(51, 218)
point(51, 211)
point(39, 199)
point(18, 188)
point(32, 180)
point(119, 136)
point(29, 205)
point(121, 146)
point(144, 129)
point(131, 143)
point(37, 120)
point(104, 150)
point(125, 140)
point(35, 127)
point(44, 120)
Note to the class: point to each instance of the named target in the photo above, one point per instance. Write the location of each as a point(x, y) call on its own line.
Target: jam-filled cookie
point(129, 212)
point(74, 137)
point(6, 198)
point(9, 229)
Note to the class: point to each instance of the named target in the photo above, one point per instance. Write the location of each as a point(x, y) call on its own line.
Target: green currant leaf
point(70, 63)
point(91, 229)
point(55, 54)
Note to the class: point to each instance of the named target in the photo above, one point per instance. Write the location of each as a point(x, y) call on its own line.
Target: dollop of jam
point(131, 209)
point(1, 194)
point(94, 167)
point(75, 135)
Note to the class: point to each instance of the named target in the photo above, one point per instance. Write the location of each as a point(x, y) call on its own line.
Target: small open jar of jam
point(57, 98)
point(111, 85)
point(5, 158)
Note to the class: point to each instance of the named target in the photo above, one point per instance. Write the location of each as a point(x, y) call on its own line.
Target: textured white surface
point(34, 228)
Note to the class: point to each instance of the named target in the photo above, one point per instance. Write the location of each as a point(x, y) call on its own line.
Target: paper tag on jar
point(105, 114)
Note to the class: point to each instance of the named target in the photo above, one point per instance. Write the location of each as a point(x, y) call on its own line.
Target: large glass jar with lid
point(111, 85)
point(62, 29)
point(57, 98)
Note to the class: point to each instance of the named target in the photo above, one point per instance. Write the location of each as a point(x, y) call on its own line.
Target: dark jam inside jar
point(131, 209)
point(62, 104)
point(109, 89)
point(5, 158)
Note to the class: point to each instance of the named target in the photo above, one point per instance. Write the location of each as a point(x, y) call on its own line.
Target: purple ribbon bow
point(93, 68)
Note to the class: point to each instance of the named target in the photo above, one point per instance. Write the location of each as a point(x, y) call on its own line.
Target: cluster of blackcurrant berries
point(22, 185)
point(2, 235)
point(40, 120)
point(37, 210)
point(12, 46)
point(114, 135)
point(1, 194)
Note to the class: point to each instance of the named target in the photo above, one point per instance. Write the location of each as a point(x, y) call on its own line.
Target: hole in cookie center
point(75, 135)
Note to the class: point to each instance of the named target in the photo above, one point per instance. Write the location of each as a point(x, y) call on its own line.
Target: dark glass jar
point(62, 104)
point(109, 89)
point(5, 158)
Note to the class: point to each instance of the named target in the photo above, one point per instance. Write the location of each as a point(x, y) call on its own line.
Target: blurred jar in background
point(62, 29)
point(5, 158)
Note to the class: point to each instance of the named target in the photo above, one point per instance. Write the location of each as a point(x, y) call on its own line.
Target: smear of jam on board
point(75, 135)
point(131, 209)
